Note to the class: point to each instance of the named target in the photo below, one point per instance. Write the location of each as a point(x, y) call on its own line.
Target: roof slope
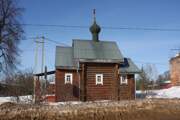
point(129, 67)
point(102, 50)
point(64, 56)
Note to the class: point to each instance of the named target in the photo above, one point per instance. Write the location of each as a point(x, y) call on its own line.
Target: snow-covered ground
point(173, 92)
point(5, 99)
point(23, 99)
point(77, 102)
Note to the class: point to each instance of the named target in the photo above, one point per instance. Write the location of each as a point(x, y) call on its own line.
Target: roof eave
point(67, 67)
point(130, 72)
point(102, 60)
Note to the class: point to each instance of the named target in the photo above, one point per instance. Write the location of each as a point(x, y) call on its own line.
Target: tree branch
point(10, 34)
point(2, 55)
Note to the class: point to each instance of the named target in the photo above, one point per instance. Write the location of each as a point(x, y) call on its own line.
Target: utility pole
point(36, 56)
point(43, 53)
point(45, 77)
point(39, 42)
point(35, 69)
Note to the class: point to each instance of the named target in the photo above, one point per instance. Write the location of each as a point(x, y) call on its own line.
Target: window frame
point(101, 82)
point(65, 78)
point(125, 81)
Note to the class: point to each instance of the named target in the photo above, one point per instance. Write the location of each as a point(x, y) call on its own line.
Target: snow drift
point(173, 92)
point(22, 99)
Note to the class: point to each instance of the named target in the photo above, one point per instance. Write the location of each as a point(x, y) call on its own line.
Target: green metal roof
point(64, 57)
point(84, 49)
point(128, 67)
point(102, 50)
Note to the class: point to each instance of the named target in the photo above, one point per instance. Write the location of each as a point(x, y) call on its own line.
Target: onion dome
point(95, 29)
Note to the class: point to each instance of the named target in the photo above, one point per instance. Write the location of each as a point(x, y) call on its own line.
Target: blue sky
point(141, 46)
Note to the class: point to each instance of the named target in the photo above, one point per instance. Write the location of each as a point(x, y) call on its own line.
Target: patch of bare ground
point(111, 110)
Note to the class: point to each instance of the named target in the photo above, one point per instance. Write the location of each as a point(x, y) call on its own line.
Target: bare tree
point(20, 84)
point(163, 77)
point(10, 34)
point(166, 75)
point(147, 77)
point(144, 80)
point(151, 72)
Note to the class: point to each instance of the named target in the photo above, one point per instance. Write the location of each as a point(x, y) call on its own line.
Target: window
point(68, 78)
point(123, 79)
point(99, 79)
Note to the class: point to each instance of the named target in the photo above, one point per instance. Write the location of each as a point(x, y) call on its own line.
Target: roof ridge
point(86, 40)
point(63, 46)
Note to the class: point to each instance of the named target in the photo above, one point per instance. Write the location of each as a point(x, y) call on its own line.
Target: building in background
point(175, 70)
point(165, 84)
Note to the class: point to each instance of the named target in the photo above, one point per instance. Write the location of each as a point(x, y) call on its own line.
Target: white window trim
point(101, 82)
point(65, 78)
point(122, 81)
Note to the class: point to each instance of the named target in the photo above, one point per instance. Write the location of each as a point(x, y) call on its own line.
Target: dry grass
point(124, 110)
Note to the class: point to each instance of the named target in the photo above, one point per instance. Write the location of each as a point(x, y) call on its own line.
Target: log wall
point(66, 92)
point(89, 91)
point(107, 91)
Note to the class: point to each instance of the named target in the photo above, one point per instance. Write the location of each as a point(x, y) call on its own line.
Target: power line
point(136, 61)
point(47, 39)
point(56, 42)
point(53, 25)
point(142, 28)
point(104, 27)
point(59, 43)
point(176, 49)
point(156, 63)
